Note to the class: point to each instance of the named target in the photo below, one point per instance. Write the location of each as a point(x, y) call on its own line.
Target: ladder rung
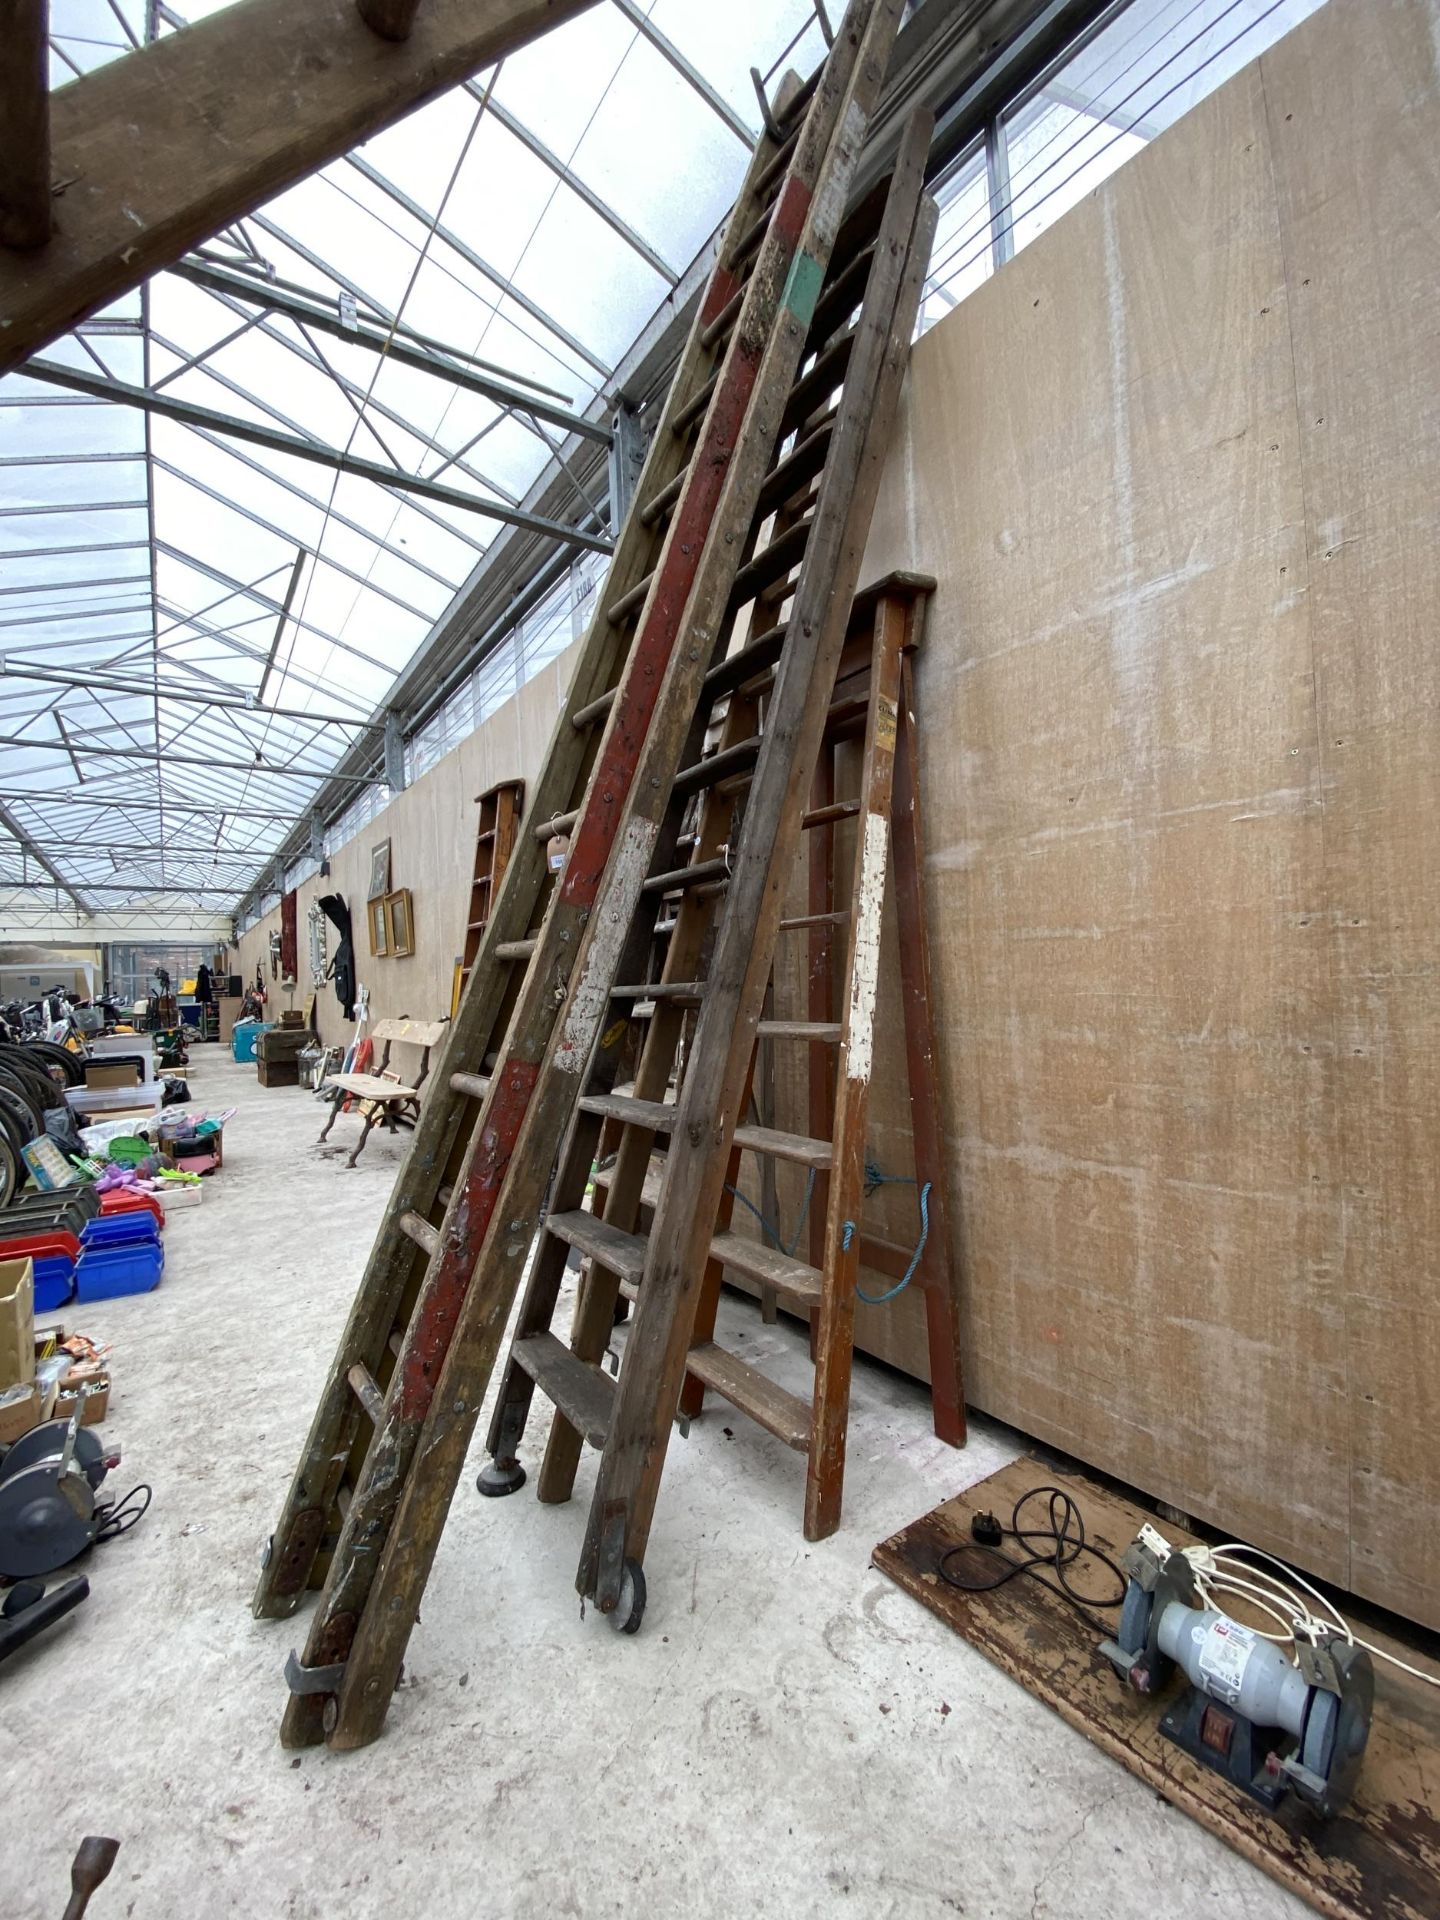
point(471, 1083)
point(595, 709)
point(800, 465)
point(745, 1387)
point(662, 502)
point(827, 816)
point(845, 713)
point(629, 602)
point(657, 1116)
point(828, 1031)
point(837, 919)
point(722, 323)
point(516, 949)
point(777, 162)
point(692, 411)
point(752, 659)
point(844, 293)
point(362, 1382)
point(582, 1393)
point(708, 772)
point(690, 876)
point(686, 992)
point(420, 1231)
point(557, 823)
point(782, 556)
point(819, 383)
point(785, 1146)
point(768, 1265)
point(622, 1253)
point(751, 238)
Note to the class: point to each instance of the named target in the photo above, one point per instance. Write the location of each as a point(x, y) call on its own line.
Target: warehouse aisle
point(789, 1734)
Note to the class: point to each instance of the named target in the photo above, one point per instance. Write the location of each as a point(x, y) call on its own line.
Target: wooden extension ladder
point(718, 960)
point(367, 1505)
point(869, 698)
point(495, 833)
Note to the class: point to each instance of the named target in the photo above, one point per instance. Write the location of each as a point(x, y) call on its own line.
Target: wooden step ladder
point(367, 1505)
point(496, 829)
point(837, 1036)
point(871, 701)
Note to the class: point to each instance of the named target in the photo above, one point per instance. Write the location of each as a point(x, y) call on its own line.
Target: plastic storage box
point(107, 1271)
point(54, 1282)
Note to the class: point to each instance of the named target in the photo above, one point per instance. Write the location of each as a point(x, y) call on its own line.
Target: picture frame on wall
point(379, 935)
point(399, 924)
point(379, 870)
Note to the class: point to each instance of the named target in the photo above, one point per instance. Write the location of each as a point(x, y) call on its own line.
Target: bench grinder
point(1267, 1724)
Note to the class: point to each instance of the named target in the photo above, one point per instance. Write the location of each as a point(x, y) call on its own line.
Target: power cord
point(1057, 1547)
point(125, 1513)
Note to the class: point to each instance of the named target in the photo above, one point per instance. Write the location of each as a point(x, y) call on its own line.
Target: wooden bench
point(382, 1096)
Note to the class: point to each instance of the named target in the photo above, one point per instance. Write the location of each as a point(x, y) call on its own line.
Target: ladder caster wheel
point(495, 1480)
point(630, 1607)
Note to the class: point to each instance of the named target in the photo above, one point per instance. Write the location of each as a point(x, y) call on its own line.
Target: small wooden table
point(385, 1098)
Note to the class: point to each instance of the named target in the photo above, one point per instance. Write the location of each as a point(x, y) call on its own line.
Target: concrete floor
point(788, 1734)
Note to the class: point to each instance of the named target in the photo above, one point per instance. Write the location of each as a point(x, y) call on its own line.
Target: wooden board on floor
point(1378, 1860)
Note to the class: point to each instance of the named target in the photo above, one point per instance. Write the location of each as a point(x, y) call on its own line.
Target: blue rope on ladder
point(769, 1226)
point(874, 1179)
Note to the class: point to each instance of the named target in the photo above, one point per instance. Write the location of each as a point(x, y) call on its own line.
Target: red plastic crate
point(41, 1246)
point(129, 1200)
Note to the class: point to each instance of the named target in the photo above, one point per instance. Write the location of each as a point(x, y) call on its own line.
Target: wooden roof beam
point(161, 149)
point(24, 123)
point(391, 19)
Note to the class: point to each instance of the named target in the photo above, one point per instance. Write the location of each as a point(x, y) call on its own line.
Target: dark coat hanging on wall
point(289, 944)
point(342, 967)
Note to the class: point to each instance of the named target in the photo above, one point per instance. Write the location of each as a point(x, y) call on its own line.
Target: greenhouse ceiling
point(200, 611)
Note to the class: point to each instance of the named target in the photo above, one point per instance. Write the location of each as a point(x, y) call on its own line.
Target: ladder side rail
point(938, 1272)
point(834, 1324)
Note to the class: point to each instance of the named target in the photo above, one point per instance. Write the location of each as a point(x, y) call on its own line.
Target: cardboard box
point(17, 1323)
point(19, 1412)
point(102, 1075)
point(97, 1403)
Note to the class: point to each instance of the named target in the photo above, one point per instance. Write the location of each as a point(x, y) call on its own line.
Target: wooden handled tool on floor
point(91, 1865)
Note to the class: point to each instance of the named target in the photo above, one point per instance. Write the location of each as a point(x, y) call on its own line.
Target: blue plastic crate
point(120, 1229)
point(105, 1272)
point(54, 1283)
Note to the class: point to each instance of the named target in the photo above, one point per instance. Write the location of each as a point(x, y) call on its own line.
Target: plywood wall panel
point(1124, 798)
point(1360, 221)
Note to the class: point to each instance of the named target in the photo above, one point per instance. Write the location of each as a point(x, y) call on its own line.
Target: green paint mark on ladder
point(802, 287)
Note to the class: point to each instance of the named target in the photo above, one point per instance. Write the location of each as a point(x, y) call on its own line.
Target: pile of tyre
point(33, 1079)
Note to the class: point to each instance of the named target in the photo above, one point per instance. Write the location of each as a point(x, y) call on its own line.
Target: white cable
point(1213, 1577)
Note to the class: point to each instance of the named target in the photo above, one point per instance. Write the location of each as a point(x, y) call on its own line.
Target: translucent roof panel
point(196, 625)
